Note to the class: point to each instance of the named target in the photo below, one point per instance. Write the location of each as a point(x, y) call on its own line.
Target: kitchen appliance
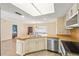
point(62, 50)
point(53, 44)
point(71, 47)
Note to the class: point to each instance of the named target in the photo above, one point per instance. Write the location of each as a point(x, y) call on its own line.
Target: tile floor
point(43, 53)
point(8, 48)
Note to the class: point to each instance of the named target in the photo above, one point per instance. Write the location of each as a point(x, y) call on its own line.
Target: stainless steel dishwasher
point(53, 44)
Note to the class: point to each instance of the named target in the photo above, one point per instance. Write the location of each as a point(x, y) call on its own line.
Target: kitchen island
point(29, 45)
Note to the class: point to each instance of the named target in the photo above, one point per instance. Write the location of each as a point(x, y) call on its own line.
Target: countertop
point(67, 38)
point(34, 37)
point(60, 37)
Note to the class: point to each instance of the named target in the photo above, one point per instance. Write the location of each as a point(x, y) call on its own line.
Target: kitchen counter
point(22, 42)
point(34, 37)
point(25, 45)
point(27, 38)
point(60, 37)
point(67, 38)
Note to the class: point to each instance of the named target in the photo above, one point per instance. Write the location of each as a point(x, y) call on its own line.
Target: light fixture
point(36, 9)
point(44, 8)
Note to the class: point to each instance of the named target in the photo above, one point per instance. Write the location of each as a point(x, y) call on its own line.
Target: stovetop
point(72, 47)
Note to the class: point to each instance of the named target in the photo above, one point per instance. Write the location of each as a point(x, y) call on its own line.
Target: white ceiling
point(36, 9)
point(59, 8)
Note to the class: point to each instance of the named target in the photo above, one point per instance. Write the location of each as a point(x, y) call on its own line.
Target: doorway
point(14, 31)
point(30, 30)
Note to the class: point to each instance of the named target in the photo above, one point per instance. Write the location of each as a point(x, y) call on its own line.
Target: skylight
point(36, 9)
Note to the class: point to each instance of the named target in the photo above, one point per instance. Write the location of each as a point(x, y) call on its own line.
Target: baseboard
point(33, 52)
point(55, 52)
point(42, 50)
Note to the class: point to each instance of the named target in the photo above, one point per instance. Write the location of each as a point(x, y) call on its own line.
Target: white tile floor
point(43, 53)
point(8, 48)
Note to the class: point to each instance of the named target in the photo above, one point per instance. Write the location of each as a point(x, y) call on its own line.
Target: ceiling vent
point(18, 13)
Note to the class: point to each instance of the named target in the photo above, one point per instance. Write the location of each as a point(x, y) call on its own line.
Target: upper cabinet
point(60, 26)
point(72, 17)
point(72, 11)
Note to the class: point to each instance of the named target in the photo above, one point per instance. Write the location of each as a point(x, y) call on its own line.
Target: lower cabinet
point(37, 47)
point(18, 47)
point(30, 45)
point(42, 44)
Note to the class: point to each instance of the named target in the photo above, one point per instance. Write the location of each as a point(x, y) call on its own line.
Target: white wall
point(51, 27)
point(6, 29)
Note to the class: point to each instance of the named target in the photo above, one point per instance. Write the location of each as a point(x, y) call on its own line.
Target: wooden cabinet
point(72, 17)
point(78, 6)
point(26, 46)
point(30, 45)
point(45, 47)
point(41, 44)
point(61, 27)
point(20, 47)
point(37, 44)
point(72, 11)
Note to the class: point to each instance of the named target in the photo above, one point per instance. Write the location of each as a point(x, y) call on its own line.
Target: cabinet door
point(31, 45)
point(19, 47)
point(78, 6)
point(37, 41)
point(74, 9)
point(34, 45)
point(45, 45)
point(26, 45)
point(68, 15)
point(41, 44)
